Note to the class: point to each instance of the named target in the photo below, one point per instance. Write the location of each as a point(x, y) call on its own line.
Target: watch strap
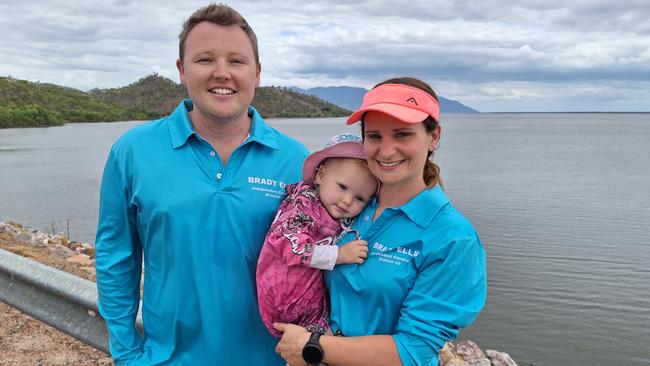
point(314, 338)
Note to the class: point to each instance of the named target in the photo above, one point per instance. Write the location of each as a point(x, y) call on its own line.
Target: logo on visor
point(412, 100)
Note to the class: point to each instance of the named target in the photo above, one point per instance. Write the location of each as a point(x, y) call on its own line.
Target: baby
point(336, 186)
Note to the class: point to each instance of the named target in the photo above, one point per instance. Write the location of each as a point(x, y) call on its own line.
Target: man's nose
point(220, 70)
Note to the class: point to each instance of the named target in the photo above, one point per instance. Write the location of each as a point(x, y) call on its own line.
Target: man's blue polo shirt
point(424, 277)
point(200, 225)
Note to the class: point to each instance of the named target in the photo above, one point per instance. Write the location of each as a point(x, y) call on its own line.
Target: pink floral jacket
point(289, 288)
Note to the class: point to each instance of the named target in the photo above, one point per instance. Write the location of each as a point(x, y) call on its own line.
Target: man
point(193, 194)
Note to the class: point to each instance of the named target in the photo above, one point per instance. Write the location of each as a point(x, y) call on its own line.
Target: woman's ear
point(435, 138)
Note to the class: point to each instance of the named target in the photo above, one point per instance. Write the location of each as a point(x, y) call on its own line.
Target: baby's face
point(345, 186)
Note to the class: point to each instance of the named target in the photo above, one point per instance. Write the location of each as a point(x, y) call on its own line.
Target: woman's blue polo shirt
point(424, 277)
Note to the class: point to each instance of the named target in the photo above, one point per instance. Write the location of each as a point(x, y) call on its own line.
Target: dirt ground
point(26, 341)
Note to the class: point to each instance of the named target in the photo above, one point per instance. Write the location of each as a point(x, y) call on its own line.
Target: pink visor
point(406, 103)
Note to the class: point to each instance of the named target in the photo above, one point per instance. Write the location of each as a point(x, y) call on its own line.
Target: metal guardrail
point(64, 301)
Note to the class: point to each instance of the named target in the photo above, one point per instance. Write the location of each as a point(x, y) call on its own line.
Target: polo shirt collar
point(261, 132)
point(181, 128)
point(422, 208)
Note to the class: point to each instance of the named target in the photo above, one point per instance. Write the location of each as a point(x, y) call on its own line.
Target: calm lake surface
point(561, 201)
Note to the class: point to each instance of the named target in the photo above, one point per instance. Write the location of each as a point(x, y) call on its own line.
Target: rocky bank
point(26, 341)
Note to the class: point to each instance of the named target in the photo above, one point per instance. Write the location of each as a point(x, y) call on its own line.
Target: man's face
point(220, 72)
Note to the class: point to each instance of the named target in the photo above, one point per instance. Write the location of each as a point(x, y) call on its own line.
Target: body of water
point(561, 201)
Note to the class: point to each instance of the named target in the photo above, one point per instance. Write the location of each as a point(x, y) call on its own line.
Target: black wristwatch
point(312, 352)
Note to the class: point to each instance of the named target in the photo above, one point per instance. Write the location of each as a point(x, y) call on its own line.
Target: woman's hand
point(293, 339)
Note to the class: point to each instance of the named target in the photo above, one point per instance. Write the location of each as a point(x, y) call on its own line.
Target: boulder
point(455, 362)
point(6, 228)
point(500, 358)
point(24, 237)
point(41, 240)
point(81, 259)
point(479, 362)
point(467, 353)
point(61, 251)
point(468, 350)
point(13, 226)
point(447, 353)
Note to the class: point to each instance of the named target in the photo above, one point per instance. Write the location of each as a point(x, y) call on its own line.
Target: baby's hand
point(355, 251)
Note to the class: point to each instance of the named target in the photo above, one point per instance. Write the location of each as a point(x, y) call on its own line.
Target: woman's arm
point(375, 350)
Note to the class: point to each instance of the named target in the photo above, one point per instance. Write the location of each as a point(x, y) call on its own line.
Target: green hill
point(158, 96)
point(29, 104)
point(281, 102)
point(155, 95)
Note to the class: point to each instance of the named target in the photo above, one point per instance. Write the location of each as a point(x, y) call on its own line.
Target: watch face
point(312, 353)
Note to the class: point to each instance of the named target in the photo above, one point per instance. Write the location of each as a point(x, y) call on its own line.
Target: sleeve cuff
point(324, 257)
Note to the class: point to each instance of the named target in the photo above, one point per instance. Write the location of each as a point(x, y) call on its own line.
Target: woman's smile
point(390, 164)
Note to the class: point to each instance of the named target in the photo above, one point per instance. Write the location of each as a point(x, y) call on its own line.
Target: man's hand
point(355, 251)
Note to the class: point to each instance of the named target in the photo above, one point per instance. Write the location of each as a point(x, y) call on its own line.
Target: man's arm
point(118, 263)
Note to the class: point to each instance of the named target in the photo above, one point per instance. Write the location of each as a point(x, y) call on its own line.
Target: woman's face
point(397, 151)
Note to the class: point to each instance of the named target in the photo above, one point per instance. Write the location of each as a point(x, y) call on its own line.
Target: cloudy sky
point(492, 55)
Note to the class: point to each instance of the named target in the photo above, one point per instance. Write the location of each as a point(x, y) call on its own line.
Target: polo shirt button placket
point(218, 175)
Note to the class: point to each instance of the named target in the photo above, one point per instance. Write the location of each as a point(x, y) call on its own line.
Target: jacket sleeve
point(447, 295)
point(324, 257)
point(292, 236)
point(118, 262)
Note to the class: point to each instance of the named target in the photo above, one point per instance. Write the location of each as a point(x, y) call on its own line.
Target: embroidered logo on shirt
point(270, 187)
point(267, 182)
point(393, 255)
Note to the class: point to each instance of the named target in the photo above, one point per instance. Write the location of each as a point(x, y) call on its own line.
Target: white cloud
point(530, 96)
point(492, 55)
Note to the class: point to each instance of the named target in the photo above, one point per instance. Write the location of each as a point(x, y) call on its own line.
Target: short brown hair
point(219, 14)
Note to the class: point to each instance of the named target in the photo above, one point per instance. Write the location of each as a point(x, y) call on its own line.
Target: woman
point(424, 277)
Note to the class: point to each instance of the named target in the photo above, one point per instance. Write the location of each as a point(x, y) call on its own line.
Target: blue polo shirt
point(199, 225)
point(423, 280)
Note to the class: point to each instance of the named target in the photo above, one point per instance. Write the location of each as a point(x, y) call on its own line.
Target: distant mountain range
point(350, 98)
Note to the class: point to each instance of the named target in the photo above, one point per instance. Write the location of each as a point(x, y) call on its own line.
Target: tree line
point(33, 104)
